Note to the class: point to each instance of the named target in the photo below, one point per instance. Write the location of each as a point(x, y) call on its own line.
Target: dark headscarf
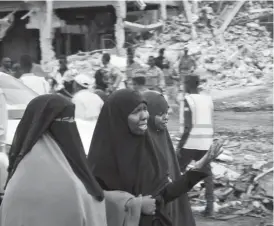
point(43, 115)
point(121, 160)
point(157, 105)
point(179, 210)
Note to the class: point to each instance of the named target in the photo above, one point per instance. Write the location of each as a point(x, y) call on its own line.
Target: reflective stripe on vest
point(201, 134)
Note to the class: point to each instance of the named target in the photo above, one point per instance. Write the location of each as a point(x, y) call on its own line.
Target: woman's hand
point(148, 205)
point(214, 151)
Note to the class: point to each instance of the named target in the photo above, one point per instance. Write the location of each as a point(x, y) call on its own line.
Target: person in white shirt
point(87, 108)
point(37, 84)
point(4, 161)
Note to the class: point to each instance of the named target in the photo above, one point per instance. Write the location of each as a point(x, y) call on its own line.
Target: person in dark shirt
point(161, 61)
point(101, 80)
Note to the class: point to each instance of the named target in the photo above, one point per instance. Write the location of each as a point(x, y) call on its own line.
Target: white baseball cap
point(83, 80)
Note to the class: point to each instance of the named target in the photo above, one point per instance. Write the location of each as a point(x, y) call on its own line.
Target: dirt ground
point(252, 131)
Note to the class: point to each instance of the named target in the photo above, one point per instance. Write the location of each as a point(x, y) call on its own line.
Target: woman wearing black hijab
point(124, 158)
point(180, 209)
point(49, 181)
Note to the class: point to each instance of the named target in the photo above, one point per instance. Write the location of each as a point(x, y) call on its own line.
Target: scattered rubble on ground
point(243, 177)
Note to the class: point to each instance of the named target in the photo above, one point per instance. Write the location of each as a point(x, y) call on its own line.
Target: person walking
point(198, 133)
point(155, 79)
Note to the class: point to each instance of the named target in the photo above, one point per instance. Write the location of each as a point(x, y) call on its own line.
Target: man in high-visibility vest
point(198, 133)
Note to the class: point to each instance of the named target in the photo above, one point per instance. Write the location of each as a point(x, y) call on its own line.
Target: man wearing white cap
point(87, 107)
point(84, 99)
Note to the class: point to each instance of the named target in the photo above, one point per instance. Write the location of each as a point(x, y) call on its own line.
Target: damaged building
point(45, 29)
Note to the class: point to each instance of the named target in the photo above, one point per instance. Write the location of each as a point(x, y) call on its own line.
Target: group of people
point(127, 174)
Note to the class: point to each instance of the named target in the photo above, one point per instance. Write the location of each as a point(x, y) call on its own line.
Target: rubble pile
point(243, 56)
point(88, 62)
point(243, 181)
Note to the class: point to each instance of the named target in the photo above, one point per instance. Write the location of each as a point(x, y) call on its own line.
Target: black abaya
point(45, 114)
point(180, 209)
point(123, 161)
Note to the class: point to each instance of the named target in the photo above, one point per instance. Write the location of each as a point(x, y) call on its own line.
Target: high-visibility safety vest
point(201, 134)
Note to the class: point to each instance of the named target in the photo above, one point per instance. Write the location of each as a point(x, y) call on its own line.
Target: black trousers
point(185, 156)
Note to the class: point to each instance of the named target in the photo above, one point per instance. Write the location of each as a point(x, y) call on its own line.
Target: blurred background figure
point(161, 61)
point(6, 66)
point(132, 65)
point(37, 84)
point(16, 70)
point(63, 76)
point(101, 80)
point(155, 79)
point(139, 81)
point(111, 73)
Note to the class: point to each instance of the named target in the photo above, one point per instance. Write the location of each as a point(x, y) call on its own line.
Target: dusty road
point(253, 132)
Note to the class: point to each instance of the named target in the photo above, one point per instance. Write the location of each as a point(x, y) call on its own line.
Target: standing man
point(198, 133)
point(63, 77)
point(132, 66)
point(155, 79)
point(114, 76)
point(6, 66)
point(139, 81)
point(186, 67)
point(160, 61)
point(85, 100)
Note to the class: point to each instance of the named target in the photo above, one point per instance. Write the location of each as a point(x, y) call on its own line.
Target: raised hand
point(214, 151)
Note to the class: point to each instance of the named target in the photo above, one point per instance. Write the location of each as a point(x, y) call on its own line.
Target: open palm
point(214, 151)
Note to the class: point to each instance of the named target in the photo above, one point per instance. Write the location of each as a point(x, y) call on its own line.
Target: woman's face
point(137, 120)
point(161, 121)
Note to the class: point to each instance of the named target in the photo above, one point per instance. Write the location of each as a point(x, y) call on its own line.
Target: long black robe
point(180, 209)
point(42, 116)
point(123, 161)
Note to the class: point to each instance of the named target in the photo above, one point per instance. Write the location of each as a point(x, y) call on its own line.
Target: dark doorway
point(76, 43)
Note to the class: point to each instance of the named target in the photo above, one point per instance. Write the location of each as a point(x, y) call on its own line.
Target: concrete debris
point(88, 62)
point(250, 191)
point(244, 59)
point(220, 171)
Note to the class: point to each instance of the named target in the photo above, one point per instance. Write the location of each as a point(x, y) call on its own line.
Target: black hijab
point(180, 209)
point(47, 113)
point(121, 160)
